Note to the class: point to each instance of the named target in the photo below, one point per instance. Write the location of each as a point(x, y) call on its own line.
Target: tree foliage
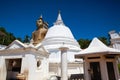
point(84, 43)
point(104, 40)
point(26, 39)
point(5, 37)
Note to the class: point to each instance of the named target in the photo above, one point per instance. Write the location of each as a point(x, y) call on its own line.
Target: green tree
point(84, 43)
point(2, 29)
point(26, 39)
point(5, 37)
point(104, 40)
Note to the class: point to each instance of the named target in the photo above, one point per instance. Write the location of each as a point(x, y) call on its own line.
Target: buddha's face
point(39, 23)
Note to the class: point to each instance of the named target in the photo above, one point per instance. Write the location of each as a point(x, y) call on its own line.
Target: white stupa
point(57, 36)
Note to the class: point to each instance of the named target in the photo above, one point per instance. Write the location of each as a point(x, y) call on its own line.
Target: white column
point(115, 64)
point(64, 63)
point(86, 67)
point(103, 66)
point(59, 70)
point(3, 72)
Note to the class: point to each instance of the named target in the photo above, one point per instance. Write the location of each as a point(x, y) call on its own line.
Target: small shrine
point(21, 61)
point(100, 61)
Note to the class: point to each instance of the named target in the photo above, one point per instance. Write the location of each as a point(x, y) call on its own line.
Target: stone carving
point(39, 34)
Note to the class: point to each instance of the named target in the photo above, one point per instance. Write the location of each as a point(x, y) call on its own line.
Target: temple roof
point(17, 47)
point(96, 46)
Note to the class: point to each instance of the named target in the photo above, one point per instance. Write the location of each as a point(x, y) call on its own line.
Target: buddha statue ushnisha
point(39, 34)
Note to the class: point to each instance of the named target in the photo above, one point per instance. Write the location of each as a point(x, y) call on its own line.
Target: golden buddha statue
point(39, 34)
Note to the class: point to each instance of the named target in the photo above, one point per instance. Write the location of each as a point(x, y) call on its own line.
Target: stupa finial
point(41, 16)
point(59, 20)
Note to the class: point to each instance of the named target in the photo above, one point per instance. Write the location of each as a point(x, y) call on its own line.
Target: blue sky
point(86, 18)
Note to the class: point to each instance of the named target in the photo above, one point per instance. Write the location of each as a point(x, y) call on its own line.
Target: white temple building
point(42, 61)
point(100, 61)
point(115, 39)
point(24, 62)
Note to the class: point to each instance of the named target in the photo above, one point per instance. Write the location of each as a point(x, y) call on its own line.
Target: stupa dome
point(58, 35)
point(59, 30)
